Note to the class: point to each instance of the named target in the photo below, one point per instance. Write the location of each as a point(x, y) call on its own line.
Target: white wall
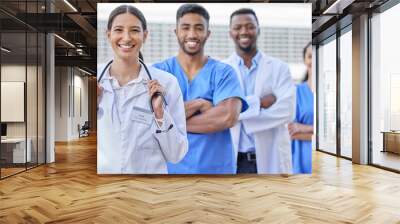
point(71, 94)
point(33, 126)
point(12, 73)
point(61, 103)
point(79, 112)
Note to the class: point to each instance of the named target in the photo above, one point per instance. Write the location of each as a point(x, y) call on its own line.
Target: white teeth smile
point(125, 46)
point(191, 43)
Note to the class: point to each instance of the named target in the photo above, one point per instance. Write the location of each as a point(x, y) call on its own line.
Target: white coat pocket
point(142, 115)
point(143, 126)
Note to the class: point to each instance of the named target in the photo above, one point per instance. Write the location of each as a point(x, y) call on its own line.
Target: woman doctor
point(139, 130)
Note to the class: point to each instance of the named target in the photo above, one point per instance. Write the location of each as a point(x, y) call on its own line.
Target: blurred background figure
point(301, 130)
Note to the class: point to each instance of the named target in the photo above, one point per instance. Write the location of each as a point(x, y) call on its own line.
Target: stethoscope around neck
point(151, 98)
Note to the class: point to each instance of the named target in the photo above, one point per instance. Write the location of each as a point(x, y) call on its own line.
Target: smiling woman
point(137, 131)
point(127, 32)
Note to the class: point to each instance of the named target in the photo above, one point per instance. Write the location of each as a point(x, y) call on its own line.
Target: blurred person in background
point(302, 129)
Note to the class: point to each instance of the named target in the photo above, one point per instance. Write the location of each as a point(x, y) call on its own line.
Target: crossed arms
point(203, 117)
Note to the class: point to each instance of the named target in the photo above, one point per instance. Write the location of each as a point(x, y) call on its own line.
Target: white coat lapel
point(138, 90)
point(140, 85)
point(263, 72)
point(108, 101)
point(108, 93)
point(106, 84)
point(107, 98)
point(233, 60)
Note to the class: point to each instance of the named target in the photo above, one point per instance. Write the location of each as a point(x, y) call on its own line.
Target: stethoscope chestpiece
point(158, 131)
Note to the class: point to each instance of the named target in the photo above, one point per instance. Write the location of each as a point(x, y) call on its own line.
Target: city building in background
point(279, 38)
point(281, 42)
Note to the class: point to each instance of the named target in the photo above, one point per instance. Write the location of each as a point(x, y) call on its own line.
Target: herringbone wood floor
point(70, 191)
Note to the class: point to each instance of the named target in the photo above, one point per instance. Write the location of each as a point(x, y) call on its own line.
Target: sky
point(269, 14)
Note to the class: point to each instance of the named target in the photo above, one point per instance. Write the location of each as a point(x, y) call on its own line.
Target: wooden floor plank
point(70, 191)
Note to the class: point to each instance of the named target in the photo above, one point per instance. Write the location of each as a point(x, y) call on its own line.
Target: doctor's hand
point(293, 128)
point(299, 131)
point(204, 105)
point(193, 107)
point(99, 94)
point(157, 102)
point(297, 128)
point(267, 101)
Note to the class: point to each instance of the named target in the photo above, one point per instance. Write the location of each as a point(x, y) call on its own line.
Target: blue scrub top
point(302, 150)
point(210, 153)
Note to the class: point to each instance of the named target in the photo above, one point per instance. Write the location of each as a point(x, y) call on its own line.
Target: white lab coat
point(268, 126)
point(134, 147)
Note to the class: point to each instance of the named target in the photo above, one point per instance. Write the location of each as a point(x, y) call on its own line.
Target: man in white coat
point(261, 137)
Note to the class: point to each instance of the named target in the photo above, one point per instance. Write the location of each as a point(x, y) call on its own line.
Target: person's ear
point(145, 34)
point(208, 34)
point(230, 33)
point(108, 33)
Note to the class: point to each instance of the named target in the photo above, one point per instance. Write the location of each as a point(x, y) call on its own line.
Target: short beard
point(248, 49)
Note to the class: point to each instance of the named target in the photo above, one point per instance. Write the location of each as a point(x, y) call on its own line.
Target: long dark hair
point(304, 57)
point(133, 11)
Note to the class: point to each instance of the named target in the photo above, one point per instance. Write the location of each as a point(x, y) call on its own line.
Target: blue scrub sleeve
point(297, 117)
point(227, 86)
point(161, 65)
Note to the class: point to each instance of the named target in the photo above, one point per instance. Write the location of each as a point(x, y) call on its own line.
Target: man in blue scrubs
point(212, 94)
